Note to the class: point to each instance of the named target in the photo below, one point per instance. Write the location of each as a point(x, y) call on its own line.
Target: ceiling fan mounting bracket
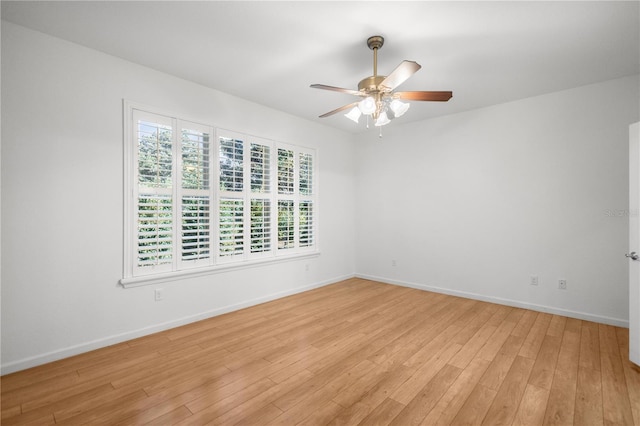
point(375, 42)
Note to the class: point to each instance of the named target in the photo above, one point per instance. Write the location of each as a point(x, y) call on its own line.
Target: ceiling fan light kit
point(380, 101)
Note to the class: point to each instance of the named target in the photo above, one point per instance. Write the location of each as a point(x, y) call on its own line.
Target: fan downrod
point(370, 84)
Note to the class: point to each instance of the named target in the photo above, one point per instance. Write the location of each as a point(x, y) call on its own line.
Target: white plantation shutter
point(306, 174)
point(231, 218)
point(154, 231)
point(285, 171)
point(286, 225)
point(305, 227)
point(305, 203)
point(260, 225)
point(286, 188)
point(231, 206)
point(260, 168)
point(199, 199)
point(195, 233)
point(154, 158)
point(196, 154)
point(260, 178)
point(231, 158)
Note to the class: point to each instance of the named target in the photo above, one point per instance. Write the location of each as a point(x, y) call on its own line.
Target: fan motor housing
point(371, 83)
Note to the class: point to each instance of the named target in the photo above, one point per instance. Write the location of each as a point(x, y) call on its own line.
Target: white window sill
point(209, 270)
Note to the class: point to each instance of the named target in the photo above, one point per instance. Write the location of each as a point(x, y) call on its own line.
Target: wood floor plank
point(374, 396)
point(424, 374)
point(534, 339)
point(32, 418)
point(438, 334)
point(258, 418)
point(360, 387)
point(616, 407)
point(588, 408)
point(263, 402)
point(300, 407)
point(562, 396)
point(419, 407)
point(409, 341)
point(170, 418)
point(75, 403)
point(524, 325)
point(354, 352)
point(545, 365)
point(590, 346)
point(473, 345)
point(106, 407)
point(339, 383)
point(322, 415)
point(453, 399)
point(475, 408)
point(496, 340)
point(11, 411)
point(501, 364)
point(556, 326)
point(41, 389)
point(204, 413)
point(631, 373)
point(470, 326)
point(176, 364)
point(356, 411)
point(383, 414)
point(532, 406)
point(507, 400)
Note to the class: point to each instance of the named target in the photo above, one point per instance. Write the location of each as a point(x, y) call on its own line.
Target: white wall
point(62, 207)
point(475, 203)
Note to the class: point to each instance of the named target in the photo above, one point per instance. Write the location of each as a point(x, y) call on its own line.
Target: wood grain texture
point(355, 352)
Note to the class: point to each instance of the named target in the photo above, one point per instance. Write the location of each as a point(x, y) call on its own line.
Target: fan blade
point(337, 110)
point(399, 75)
point(424, 96)
point(337, 89)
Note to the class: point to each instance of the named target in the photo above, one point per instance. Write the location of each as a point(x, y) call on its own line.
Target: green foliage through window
point(155, 157)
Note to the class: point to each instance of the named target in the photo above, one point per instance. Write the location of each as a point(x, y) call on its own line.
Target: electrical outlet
point(533, 280)
point(562, 284)
point(158, 294)
point(394, 263)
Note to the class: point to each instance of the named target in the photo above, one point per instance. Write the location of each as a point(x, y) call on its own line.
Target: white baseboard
point(34, 361)
point(508, 302)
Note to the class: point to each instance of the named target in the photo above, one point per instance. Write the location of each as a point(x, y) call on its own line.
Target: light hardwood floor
point(356, 352)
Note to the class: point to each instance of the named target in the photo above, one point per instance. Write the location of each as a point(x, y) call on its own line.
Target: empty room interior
point(237, 212)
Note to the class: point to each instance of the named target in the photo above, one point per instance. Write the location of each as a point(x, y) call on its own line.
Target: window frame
point(133, 276)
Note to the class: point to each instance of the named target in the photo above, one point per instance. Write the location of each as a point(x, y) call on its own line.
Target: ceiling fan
point(380, 101)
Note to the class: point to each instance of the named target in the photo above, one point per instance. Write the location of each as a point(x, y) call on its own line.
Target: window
point(203, 198)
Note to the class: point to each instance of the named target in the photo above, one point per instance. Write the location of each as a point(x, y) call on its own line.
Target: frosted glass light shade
point(367, 105)
point(398, 108)
point(354, 114)
point(382, 119)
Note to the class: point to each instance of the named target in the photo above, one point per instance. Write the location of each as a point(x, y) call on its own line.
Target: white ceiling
point(270, 52)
